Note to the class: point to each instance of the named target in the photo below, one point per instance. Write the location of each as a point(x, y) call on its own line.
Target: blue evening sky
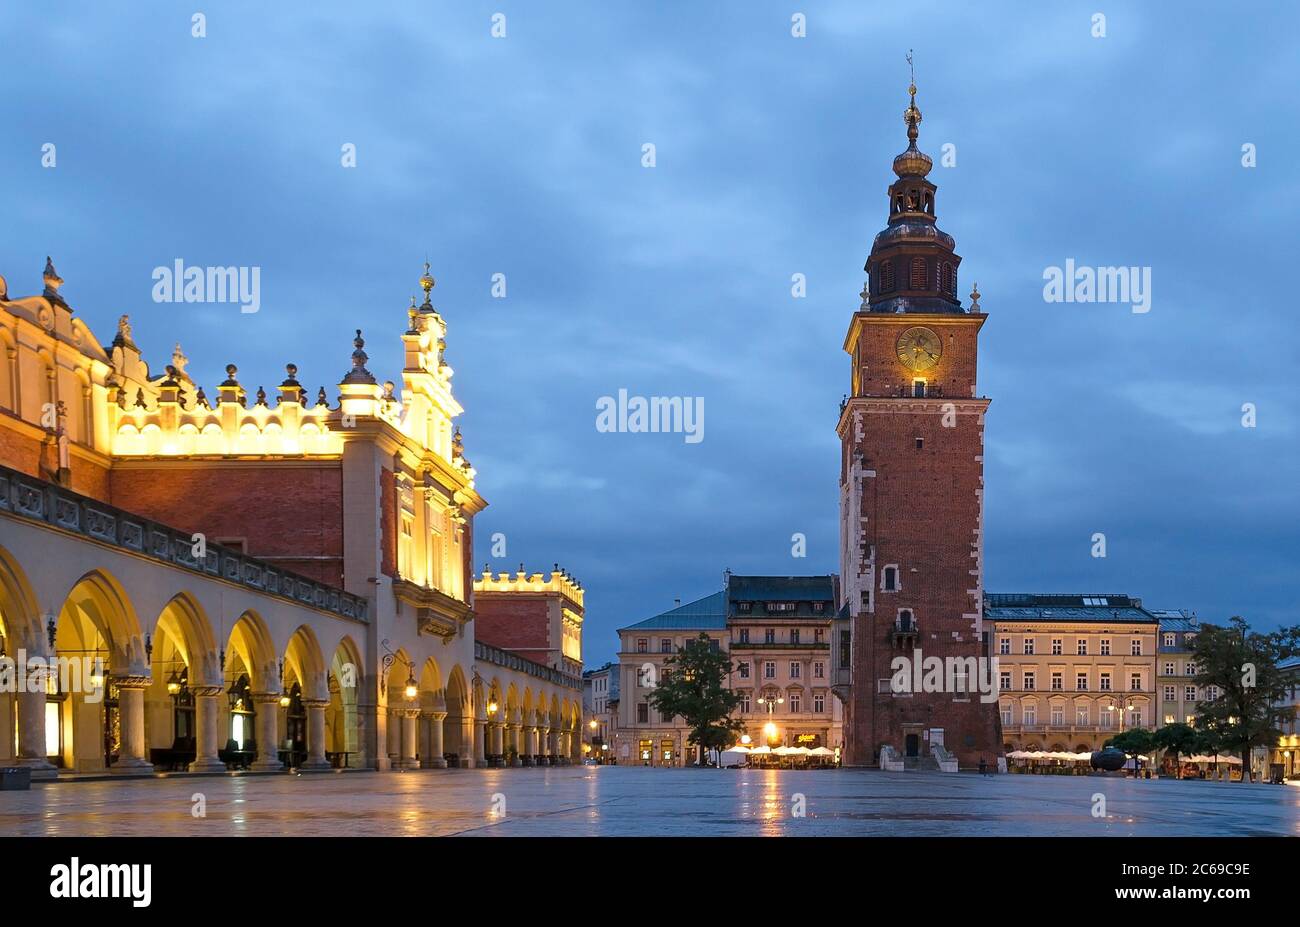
point(522, 155)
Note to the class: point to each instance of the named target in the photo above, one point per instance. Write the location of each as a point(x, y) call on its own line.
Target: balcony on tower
point(905, 632)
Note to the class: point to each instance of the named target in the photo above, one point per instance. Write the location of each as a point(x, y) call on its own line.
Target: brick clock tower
point(912, 491)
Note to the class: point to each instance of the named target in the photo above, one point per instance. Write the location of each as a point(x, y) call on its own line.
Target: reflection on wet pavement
point(628, 801)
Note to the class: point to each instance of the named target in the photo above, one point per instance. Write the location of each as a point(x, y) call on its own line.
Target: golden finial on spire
point(912, 115)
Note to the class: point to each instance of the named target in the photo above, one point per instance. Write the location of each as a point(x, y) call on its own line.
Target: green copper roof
point(706, 614)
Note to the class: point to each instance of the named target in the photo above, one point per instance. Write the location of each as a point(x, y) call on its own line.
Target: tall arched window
point(918, 273)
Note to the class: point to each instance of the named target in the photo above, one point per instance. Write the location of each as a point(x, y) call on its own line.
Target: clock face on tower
point(919, 348)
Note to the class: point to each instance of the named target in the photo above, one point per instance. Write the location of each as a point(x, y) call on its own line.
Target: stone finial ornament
point(359, 373)
point(123, 337)
point(179, 360)
point(975, 298)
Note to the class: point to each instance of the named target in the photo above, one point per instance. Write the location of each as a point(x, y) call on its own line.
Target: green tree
point(1252, 692)
point(1135, 742)
point(1179, 739)
point(693, 687)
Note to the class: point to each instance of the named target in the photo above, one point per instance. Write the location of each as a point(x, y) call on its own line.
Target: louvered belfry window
point(886, 277)
point(949, 284)
point(918, 273)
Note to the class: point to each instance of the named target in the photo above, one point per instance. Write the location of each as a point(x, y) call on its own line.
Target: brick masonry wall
point(20, 452)
point(512, 621)
point(923, 514)
point(290, 515)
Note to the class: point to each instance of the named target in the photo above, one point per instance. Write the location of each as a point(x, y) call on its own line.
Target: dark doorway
point(913, 747)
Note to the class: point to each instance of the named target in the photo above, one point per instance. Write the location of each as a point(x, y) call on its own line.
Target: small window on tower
point(890, 579)
point(918, 273)
point(886, 275)
point(920, 443)
point(949, 279)
point(918, 389)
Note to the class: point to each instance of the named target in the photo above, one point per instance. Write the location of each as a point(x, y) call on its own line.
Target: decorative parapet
point(559, 582)
point(32, 499)
point(502, 658)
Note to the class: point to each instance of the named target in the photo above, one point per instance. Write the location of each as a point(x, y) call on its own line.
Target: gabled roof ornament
point(52, 283)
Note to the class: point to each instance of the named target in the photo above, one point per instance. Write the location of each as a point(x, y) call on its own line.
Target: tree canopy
point(1250, 694)
point(693, 686)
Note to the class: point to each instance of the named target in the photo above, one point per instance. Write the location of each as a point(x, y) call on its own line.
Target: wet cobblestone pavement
point(634, 801)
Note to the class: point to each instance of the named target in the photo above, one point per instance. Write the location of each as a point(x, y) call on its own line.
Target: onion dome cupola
point(912, 266)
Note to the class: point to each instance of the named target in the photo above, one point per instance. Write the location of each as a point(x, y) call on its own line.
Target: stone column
point(498, 740)
point(530, 744)
point(516, 740)
point(467, 758)
point(393, 730)
point(480, 745)
point(267, 708)
point(130, 702)
point(423, 725)
point(409, 717)
point(316, 758)
point(546, 744)
point(207, 732)
point(434, 758)
point(31, 735)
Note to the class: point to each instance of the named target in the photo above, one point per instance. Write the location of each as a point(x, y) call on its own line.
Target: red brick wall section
point(511, 621)
point(388, 522)
point(19, 451)
point(91, 479)
point(292, 516)
point(40, 459)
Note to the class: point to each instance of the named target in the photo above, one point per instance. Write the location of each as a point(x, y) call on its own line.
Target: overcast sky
point(522, 156)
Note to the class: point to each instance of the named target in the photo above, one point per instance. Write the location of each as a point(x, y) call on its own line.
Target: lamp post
point(1126, 702)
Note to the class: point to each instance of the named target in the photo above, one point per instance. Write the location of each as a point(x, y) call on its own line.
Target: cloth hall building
point(244, 579)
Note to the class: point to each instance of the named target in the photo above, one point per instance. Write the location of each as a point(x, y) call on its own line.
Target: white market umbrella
point(738, 748)
point(821, 751)
point(763, 751)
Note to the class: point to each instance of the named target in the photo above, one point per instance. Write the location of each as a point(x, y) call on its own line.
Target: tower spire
point(912, 267)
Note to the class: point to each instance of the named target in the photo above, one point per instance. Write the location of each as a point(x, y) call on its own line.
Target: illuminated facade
point(1074, 670)
point(260, 579)
point(776, 631)
point(535, 616)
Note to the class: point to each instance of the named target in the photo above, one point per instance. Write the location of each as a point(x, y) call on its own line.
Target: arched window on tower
point(918, 273)
point(929, 203)
point(949, 283)
point(886, 277)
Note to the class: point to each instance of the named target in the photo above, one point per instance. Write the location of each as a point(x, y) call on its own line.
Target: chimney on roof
point(677, 603)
